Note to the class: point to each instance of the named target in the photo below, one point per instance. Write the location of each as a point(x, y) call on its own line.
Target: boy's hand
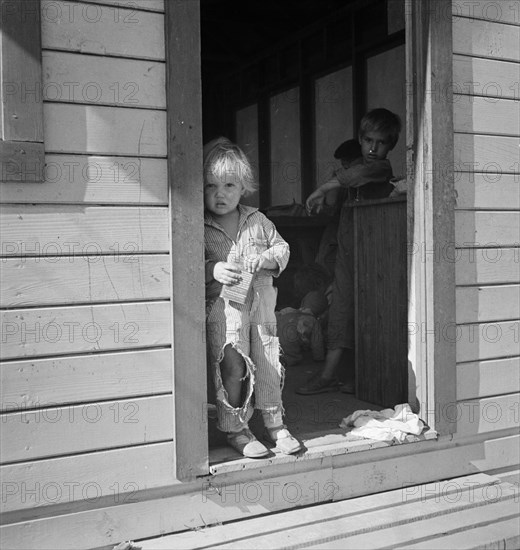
point(226, 273)
point(315, 200)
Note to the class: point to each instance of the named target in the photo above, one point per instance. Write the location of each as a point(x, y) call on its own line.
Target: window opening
point(289, 82)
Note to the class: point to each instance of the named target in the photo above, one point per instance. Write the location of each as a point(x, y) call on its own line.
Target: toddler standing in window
point(242, 344)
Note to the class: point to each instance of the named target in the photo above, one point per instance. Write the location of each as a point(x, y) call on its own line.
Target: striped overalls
point(251, 327)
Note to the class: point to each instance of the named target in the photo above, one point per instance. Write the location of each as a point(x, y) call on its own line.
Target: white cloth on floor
point(385, 425)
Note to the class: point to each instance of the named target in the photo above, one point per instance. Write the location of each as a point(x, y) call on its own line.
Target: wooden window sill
point(318, 445)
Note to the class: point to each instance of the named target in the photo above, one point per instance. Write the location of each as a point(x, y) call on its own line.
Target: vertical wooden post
point(22, 155)
point(431, 209)
point(187, 236)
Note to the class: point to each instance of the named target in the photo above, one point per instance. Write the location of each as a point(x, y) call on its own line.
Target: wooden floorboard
point(433, 532)
point(434, 515)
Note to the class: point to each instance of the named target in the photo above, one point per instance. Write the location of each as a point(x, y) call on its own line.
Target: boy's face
point(374, 146)
point(222, 194)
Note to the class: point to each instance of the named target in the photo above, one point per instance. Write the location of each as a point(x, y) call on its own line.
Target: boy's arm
point(317, 197)
point(379, 171)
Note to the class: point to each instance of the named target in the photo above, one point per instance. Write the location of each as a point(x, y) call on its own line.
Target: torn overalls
point(251, 327)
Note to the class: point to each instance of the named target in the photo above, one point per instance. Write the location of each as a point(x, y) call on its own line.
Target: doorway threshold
point(312, 419)
point(315, 446)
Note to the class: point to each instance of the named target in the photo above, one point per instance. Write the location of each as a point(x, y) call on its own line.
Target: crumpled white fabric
point(386, 425)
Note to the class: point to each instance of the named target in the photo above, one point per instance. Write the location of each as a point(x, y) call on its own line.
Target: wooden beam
point(184, 126)
point(246, 494)
point(21, 104)
point(431, 206)
point(21, 161)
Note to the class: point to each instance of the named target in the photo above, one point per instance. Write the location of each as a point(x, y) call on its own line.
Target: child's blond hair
point(221, 156)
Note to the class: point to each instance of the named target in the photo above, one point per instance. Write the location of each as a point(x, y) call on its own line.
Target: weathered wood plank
point(199, 496)
point(501, 533)
point(466, 458)
point(485, 39)
point(438, 529)
point(487, 154)
point(381, 303)
point(488, 414)
point(100, 130)
point(68, 280)
point(20, 46)
point(481, 115)
point(490, 191)
point(485, 77)
point(484, 341)
point(102, 30)
point(187, 234)
point(487, 266)
point(431, 205)
point(487, 378)
point(119, 474)
point(47, 230)
point(505, 11)
point(487, 228)
point(223, 500)
point(71, 429)
point(22, 161)
point(151, 5)
point(90, 179)
point(84, 329)
point(304, 528)
point(40, 383)
point(71, 77)
point(491, 303)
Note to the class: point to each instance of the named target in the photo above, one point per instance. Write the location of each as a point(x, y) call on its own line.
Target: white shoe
point(283, 440)
point(247, 444)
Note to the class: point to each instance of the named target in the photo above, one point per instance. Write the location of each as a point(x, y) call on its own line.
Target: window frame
point(22, 154)
point(184, 143)
point(431, 209)
point(431, 281)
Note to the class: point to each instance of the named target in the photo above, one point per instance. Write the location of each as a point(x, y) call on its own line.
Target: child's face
point(374, 146)
point(222, 194)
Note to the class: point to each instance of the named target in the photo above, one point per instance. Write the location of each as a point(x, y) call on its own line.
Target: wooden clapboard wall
point(86, 311)
point(486, 112)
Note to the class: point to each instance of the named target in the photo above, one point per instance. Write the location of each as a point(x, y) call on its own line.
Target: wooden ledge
point(317, 445)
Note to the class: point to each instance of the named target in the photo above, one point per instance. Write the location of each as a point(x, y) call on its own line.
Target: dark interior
point(255, 50)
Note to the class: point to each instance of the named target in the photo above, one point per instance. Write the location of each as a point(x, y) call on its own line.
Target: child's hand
point(253, 264)
point(315, 200)
point(226, 273)
point(400, 185)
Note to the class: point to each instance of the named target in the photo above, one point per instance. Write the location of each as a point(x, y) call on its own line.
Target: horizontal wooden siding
point(486, 112)
point(85, 261)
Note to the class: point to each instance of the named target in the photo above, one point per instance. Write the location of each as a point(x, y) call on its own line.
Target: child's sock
point(272, 419)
